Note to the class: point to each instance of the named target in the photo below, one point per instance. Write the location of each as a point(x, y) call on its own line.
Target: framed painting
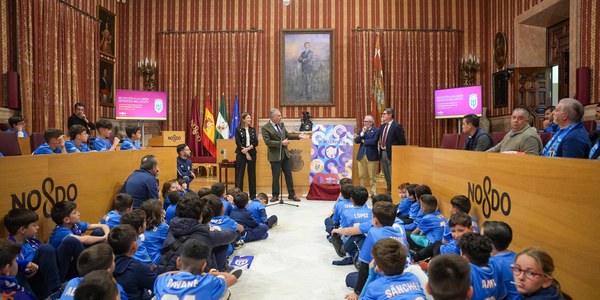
point(107, 32)
point(106, 83)
point(306, 67)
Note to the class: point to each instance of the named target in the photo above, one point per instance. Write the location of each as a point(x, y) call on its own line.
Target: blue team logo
point(158, 105)
point(473, 101)
point(242, 261)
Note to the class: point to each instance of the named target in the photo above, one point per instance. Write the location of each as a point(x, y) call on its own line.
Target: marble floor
point(294, 262)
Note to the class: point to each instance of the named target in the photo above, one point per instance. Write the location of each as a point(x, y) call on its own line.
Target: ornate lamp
point(148, 69)
point(469, 65)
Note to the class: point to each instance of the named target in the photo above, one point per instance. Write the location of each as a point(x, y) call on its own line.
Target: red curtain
point(195, 65)
point(415, 63)
point(58, 62)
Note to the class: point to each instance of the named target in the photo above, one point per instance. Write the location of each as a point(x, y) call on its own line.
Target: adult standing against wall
point(246, 141)
point(391, 133)
point(277, 139)
point(368, 154)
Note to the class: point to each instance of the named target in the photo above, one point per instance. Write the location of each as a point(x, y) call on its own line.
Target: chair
point(208, 163)
point(589, 125)
point(4, 126)
point(462, 140)
point(546, 136)
point(9, 144)
point(497, 136)
point(36, 139)
point(449, 141)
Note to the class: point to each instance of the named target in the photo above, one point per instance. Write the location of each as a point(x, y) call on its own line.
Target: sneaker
point(239, 244)
point(344, 262)
point(338, 245)
point(236, 272)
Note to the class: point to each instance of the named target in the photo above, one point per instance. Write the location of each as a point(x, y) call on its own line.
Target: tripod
point(281, 198)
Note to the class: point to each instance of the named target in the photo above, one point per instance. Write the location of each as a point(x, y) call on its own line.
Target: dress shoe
point(274, 199)
point(294, 198)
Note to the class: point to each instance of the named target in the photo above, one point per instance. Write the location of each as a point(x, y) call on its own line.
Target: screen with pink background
point(141, 105)
point(458, 102)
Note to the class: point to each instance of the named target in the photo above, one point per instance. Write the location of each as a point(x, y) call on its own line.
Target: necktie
point(278, 129)
point(384, 137)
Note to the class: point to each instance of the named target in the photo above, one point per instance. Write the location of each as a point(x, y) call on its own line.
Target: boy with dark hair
point(485, 281)
point(97, 257)
point(79, 138)
point(449, 278)
point(431, 228)
point(203, 192)
point(135, 277)
point(218, 189)
point(220, 222)
point(384, 215)
point(67, 236)
point(405, 201)
point(37, 262)
point(132, 142)
point(459, 224)
point(351, 217)
point(500, 234)
point(184, 163)
point(137, 220)
point(343, 202)
point(16, 125)
point(191, 280)
point(259, 212)
point(187, 225)
point(9, 286)
point(55, 143)
point(253, 230)
point(389, 256)
point(97, 285)
point(416, 211)
point(123, 204)
point(174, 198)
point(101, 143)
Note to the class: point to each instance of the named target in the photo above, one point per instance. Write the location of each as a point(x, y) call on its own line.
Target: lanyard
point(554, 143)
point(593, 151)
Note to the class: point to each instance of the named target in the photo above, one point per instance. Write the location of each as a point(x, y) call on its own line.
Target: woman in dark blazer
point(246, 141)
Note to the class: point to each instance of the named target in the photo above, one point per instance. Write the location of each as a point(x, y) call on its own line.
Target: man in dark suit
point(368, 154)
point(277, 139)
point(305, 60)
point(391, 133)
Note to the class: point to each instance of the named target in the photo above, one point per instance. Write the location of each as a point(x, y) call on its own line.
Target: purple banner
point(331, 156)
point(141, 105)
point(458, 102)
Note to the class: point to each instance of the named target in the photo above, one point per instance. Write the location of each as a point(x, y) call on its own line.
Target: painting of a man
point(305, 61)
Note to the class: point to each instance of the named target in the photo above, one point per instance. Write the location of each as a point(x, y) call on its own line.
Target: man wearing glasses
point(391, 133)
point(368, 154)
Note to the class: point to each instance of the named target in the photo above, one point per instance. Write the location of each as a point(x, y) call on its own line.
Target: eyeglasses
point(516, 269)
point(365, 121)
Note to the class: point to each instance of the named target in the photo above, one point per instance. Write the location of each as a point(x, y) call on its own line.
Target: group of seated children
point(55, 142)
point(386, 244)
point(134, 246)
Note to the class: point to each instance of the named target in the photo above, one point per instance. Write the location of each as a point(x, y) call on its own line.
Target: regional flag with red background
point(377, 95)
point(208, 129)
point(194, 134)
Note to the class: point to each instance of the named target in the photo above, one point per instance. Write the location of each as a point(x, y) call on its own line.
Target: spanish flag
point(208, 129)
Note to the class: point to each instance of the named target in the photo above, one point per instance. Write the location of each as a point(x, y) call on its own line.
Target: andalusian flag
point(377, 95)
point(208, 129)
point(235, 119)
point(222, 126)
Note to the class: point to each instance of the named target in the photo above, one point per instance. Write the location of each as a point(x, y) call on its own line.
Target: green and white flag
point(222, 126)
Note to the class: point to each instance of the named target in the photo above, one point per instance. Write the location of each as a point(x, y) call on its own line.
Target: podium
point(168, 139)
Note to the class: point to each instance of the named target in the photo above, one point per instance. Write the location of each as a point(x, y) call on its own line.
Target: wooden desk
point(550, 203)
point(91, 179)
point(226, 165)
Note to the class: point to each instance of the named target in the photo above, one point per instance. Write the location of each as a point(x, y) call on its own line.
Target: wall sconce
point(148, 69)
point(286, 2)
point(469, 65)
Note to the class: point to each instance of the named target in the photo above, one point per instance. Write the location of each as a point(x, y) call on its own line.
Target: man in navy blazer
point(391, 133)
point(368, 154)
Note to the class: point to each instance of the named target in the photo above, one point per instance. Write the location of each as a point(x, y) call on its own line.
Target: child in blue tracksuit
point(416, 212)
point(500, 234)
point(257, 208)
point(156, 229)
point(97, 257)
point(123, 204)
point(405, 200)
point(431, 228)
point(9, 286)
point(449, 277)
point(173, 198)
point(218, 189)
point(136, 278)
point(137, 220)
point(67, 237)
point(348, 246)
point(132, 142)
point(221, 222)
point(390, 260)
point(329, 222)
point(38, 268)
point(460, 224)
point(486, 282)
point(252, 229)
point(191, 278)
